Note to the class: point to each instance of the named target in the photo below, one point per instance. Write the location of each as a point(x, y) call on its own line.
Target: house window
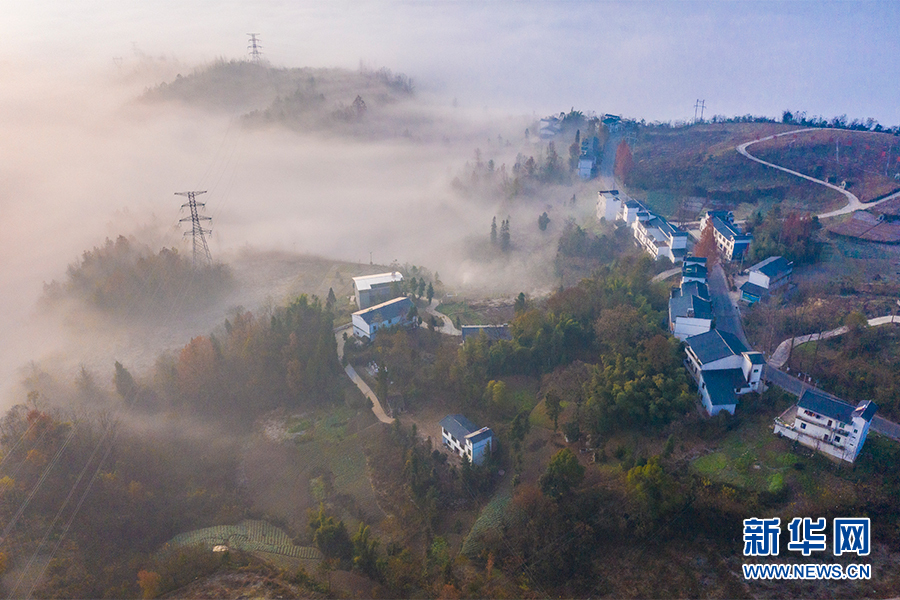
point(802, 425)
point(855, 431)
point(829, 422)
point(837, 439)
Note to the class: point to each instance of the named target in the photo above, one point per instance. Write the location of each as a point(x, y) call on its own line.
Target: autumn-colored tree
point(196, 369)
point(706, 247)
point(624, 161)
point(149, 583)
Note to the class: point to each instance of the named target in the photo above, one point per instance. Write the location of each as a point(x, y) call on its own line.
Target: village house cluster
point(722, 366)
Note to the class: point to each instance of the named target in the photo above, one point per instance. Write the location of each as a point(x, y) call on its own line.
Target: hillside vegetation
point(699, 163)
point(867, 162)
point(359, 102)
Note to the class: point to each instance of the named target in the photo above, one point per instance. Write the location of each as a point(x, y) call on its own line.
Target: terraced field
point(249, 536)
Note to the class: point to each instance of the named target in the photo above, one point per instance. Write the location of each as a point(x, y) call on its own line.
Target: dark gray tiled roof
point(866, 410)
point(482, 434)
point(825, 406)
point(753, 289)
point(772, 266)
point(386, 311)
point(695, 288)
point(721, 385)
point(458, 426)
point(714, 345)
point(690, 269)
point(682, 306)
point(756, 358)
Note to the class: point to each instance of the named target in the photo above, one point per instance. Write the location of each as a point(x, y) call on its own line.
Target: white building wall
point(608, 207)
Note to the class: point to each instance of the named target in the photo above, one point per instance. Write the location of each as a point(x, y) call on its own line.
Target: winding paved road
point(783, 351)
point(355, 378)
point(853, 203)
point(447, 327)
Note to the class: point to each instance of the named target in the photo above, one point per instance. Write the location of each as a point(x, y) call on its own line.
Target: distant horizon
point(650, 60)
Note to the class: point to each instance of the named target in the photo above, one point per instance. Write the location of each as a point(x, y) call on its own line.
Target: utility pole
point(197, 232)
point(254, 47)
point(699, 105)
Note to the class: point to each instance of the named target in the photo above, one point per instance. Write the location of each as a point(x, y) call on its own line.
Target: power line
point(254, 46)
point(197, 232)
point(699, 105)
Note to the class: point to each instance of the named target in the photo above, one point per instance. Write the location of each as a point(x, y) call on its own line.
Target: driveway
point(354, 376)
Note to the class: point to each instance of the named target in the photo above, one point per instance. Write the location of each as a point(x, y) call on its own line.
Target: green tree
point(365, 552)
point(331, 299)
point(553, 407)
point(429, 293)
point(330, 535)
point(653, 488)
point(562, 475)
point(494, 231)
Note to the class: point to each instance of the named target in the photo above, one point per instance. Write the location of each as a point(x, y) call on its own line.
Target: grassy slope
point(700, 162)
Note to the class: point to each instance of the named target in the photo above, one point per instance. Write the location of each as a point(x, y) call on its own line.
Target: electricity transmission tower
point(700, 104)
point(254, 47)
point(201, 248)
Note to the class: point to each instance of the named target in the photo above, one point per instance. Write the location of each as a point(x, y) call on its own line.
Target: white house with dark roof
point(732, 243)
point(694, 269)
point(827, 425)
point(367, 322)
point(765, 276)
point(609, 205)
point(658, 237)
point(724, 368)
point(464, 438)
point(690, 310)
point(771, 273)
point(375, 289)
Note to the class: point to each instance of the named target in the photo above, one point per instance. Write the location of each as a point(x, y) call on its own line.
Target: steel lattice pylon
point(201, 248)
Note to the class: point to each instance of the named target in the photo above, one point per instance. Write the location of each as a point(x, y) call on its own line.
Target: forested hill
point(303, 98)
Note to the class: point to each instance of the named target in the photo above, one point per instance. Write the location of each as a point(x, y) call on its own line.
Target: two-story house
point(770, 274)
point(690, 310)
point(827, 425)
point(694, 269)
point(724, 368)
point(464, 438)
point(732, 243)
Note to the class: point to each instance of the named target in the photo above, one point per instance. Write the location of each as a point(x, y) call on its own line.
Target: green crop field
point(249, 536)
point(490, 518)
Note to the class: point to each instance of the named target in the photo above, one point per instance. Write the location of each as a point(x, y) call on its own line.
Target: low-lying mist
point(89, 156)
